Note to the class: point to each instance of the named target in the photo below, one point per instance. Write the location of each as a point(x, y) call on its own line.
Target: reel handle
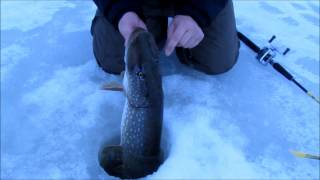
point(286, 51)
point(272, 39)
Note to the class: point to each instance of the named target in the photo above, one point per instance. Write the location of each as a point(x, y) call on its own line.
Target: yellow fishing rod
point(305, 155)
point(266, 56)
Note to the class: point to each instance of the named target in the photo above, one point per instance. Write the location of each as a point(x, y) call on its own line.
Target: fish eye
point(140, 75)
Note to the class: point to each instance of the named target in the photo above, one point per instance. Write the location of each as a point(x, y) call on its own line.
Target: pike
point(139, 151)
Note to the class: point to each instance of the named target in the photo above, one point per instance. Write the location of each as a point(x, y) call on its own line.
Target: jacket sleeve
point(113, 10)
point(202, 11)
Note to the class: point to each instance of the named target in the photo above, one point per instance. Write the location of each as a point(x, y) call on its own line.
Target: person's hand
point(183, 32)
point(128, 23)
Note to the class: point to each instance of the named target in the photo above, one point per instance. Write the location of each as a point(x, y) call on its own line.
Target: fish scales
point(139, 151)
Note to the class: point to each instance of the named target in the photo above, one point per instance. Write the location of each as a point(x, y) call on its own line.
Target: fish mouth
point(137, 32)
point(141, 49)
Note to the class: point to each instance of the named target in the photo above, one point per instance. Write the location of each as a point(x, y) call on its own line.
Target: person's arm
point(113, 10)
point(202, 11)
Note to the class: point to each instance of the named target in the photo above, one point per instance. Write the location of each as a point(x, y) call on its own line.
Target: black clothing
point(216, 53)
point(202, 11)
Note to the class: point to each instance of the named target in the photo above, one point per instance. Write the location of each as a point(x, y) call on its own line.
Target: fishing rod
point(266, 56)
point(305, 155)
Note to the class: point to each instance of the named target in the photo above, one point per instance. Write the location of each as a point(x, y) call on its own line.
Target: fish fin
point(113, 86)
point(304, 155)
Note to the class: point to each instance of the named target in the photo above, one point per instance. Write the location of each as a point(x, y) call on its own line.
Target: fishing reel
point(269, 52)
point(266, 55)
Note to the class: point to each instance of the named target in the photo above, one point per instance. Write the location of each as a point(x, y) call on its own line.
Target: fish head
point(142, 79)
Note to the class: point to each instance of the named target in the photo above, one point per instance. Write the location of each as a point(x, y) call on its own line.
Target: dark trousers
point(216, 53)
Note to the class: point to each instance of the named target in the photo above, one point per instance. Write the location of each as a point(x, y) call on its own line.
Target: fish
point(139, 153)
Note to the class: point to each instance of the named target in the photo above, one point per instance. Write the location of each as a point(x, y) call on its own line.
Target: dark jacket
point(202, 11)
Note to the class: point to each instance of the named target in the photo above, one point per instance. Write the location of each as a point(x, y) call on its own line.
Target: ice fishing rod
point(305, 155)
point(266, 56)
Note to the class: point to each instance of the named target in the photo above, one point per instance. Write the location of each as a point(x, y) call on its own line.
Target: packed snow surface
point(241, 124)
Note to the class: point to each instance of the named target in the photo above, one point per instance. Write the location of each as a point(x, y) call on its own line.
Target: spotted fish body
point(139, 152)
point(143, 111)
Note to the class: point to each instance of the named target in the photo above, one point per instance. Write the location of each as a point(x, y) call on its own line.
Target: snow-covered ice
point(238, 125)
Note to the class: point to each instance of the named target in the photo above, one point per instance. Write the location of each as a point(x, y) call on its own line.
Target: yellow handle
point(305, 155)
point(313, 97)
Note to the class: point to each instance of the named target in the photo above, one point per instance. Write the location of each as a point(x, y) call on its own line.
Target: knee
point(218, 62)
point(220, 68)
point(109, 64)
point(108, 47)
point(112, 69)
point(219, 65)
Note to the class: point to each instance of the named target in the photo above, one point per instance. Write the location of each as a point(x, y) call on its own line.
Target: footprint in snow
point(290, 21)
point(313, 39)
point(309, 64)
point(298, 6)
point(311, 18)
point(270, 8)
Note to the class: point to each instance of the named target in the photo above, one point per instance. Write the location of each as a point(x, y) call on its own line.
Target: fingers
point(128, 23)
point(142, 25)
point(171, 29)
point(189, 40)
point(175, 33)
point(193, 42)
point(186, 37)
point(183, 32)
point(138, 24)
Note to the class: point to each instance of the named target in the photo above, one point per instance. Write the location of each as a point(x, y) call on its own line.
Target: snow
point(238, 125)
